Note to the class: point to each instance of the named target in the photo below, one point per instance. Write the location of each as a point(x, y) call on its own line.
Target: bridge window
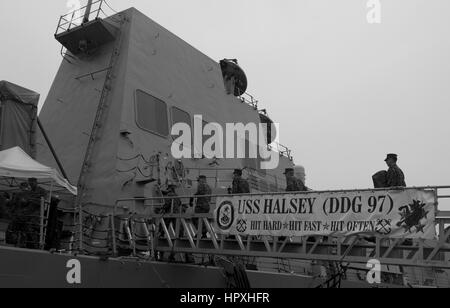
point(180, 116)
point(151, 114)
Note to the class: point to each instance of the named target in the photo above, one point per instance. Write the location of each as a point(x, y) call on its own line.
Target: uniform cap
point(391, 156)
point(289, 170)
point(237, 172)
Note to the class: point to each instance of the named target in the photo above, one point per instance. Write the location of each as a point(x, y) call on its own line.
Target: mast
point(88, 11)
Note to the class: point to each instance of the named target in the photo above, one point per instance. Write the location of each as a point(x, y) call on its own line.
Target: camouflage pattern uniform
point(240, 186)
point(295, 185)
point(178, 207)
point(173, 206)
point(203, 203)
point(395, 177)
point(3, 207)
point(24, 230)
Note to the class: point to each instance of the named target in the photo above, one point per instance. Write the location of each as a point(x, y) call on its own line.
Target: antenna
point(88, 11)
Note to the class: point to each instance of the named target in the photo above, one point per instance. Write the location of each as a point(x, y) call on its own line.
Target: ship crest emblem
point(225, 215)
point(412, 216)
point(241, 226)
point(383, 226)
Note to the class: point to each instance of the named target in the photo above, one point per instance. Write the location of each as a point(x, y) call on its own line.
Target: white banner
point(392, 214)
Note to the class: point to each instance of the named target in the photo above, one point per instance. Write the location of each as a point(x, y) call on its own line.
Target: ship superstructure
point(111, 107)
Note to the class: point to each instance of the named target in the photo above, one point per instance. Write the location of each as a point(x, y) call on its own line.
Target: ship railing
point(76, 18)
point(222, 178)
point(179, 232)
point(216, 177)
point(249, 99)
point(281, 149)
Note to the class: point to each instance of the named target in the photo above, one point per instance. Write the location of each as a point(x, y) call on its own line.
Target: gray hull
point(21, 268)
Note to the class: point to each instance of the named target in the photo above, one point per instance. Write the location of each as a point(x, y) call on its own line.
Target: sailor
point(3, 207)
point(395, 176)
point(173, 205)
point(293, 183)
point(240, 185)
point(36, 192)
point(5, 203)
point(203, 206)
point(300, 173)
point(203, 194)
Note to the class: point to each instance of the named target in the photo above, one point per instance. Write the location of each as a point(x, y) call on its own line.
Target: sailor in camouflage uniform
point(293, 184)
point(203, 195)
point(203, 203)
point(395, 176)
point(240, 185)
point(3, 206)
point(173, 205)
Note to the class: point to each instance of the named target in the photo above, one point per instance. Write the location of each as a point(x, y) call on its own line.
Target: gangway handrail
point(293, 193)
point(276, 179)
point(213, 197)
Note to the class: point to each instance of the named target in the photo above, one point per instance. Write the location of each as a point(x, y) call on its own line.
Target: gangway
point(180, 235)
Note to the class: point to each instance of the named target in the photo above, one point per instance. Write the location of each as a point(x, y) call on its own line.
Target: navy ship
point(105, 126)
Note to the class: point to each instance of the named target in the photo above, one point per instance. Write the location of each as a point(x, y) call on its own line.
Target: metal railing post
point(41, 225)
point(217, 178)
point(87, 13)
point(113, 230)
point(71, 21)
point(99, 9)
point(80, 222)
point(59, 25)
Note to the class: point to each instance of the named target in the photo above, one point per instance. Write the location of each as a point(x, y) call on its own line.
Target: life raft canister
point(270, 128)
point(231, 69)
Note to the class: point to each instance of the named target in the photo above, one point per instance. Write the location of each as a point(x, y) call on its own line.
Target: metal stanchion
point(41, 225)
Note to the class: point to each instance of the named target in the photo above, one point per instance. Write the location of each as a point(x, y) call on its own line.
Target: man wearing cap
point(293, 184)
point(395, 176)
point(240, 185)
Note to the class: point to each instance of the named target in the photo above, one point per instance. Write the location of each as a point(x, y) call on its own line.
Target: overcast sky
point(345, 92)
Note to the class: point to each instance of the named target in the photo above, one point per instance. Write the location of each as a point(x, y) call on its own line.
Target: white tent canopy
point(15, 163)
